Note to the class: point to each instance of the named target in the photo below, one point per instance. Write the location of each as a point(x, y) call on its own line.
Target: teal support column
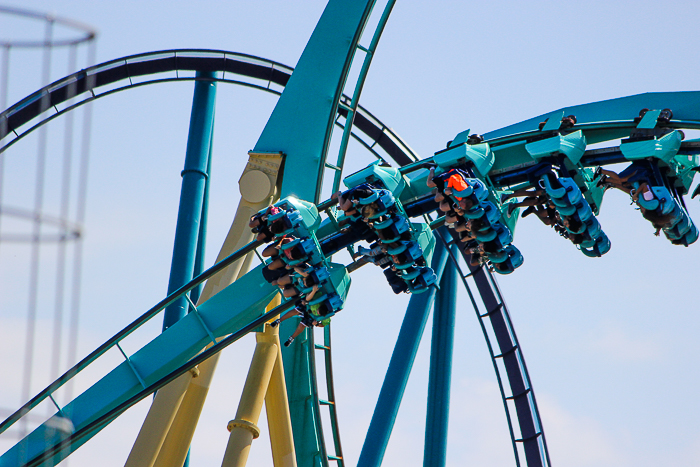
point(190, 231)
point(202, 235)
point(194, 181)
point(399, 369)
point(300, 127)
point(435, 450)
point(303, 119)
point(201, 244)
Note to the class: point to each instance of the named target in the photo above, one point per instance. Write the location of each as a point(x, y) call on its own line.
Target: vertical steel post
point(194, 178)
point(202, 235)
point(435, 450)
point(244, 428)
point(279, 420)
point(399, 369)
point(181, 431)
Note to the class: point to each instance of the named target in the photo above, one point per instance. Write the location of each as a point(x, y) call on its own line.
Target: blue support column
point(194, 180)
point(399, 369)
point(202, 235)
point(190, 231)
point(435, 450)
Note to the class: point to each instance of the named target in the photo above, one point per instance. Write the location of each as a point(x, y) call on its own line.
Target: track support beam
point(151, 438)
point(178, 434)
point(435, 451)
point(192, 194)
point(244, 428)
point(279, 421)
point(399, 370)
point(265, 381)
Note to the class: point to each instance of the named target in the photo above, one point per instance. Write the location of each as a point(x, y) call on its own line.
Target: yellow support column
point(259, 188)
point(279, 421)
point(151, 438)
point(244, 428)
point(179, 436)
point(265, 381)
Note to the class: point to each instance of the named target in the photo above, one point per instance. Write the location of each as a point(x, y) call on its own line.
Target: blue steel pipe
point(194, 180)
point(435, 450)
point(399, 369)
point(202, 235)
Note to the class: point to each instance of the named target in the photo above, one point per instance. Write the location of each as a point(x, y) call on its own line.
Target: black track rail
point(520, 392)
point(99, 80)
point(92, 83)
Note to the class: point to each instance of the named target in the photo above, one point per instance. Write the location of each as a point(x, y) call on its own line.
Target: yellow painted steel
point(178, 431)
point(279, 421)
point(244, 428)
point(150, 438)
point(179, 436)
point(260, 166)
point(266, 382)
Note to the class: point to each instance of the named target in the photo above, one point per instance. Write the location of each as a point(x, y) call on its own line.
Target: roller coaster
point(434, 222)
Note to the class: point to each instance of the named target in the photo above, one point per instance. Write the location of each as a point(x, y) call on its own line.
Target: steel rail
point(351, 109)
point(103, 420)
point(153, 311)
point(168, 61)
point(463, 278)
point(524, 372)
point(90, 80)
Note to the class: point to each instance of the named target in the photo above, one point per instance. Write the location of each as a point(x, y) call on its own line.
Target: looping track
point(117, 75)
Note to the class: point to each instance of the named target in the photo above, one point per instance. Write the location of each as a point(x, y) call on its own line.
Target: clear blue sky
point(609, 342)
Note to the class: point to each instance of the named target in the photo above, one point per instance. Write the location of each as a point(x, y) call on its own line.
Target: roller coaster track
point(153, 311)
point(103, 419)
point(528, 417)
point(105, 79)
point(601, 121)
point(117, 75)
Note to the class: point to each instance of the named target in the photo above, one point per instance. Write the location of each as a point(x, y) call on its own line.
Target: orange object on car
point(457, 183)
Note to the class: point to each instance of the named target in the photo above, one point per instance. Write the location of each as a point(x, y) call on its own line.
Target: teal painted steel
point(194, 182)
point(111, 342)
point(600, 121)
point(300, 126)
point(202, 236)
point(390, 177)
point(479, 154)
point(425, 238)
point(226, 312)
point(480, 317)
point(572, 146)
point(400, 369)
point(435, 450)
point(664, 148)
point(648, 122)
point(349, 119)
point(396, 148)
point(302, 121)
point(332, 409)
point(307, 211)
point(685, 106)
point(53, 454)
point(201, 245)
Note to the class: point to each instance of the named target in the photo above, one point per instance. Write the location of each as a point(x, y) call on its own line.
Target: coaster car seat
point(597, 247)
